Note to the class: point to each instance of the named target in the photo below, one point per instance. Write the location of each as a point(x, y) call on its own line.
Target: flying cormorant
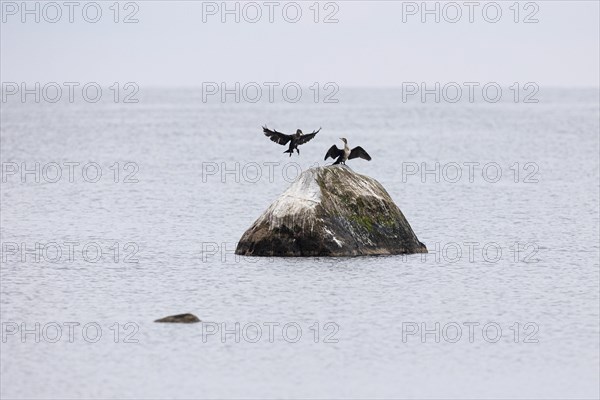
point(346, 154)
point(295, 140)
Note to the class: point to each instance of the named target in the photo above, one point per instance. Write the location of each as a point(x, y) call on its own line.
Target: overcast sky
point(370, 45)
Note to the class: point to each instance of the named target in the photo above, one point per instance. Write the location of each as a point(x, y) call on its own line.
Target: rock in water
point(180, 318)
point(331, 211)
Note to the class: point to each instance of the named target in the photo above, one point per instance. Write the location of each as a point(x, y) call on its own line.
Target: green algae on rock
point(331, 211)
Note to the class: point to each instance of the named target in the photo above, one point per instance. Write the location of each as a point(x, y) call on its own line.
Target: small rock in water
point(180, 318)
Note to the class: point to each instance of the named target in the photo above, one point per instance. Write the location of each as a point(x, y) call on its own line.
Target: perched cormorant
point(295, 140)
point(346, 154)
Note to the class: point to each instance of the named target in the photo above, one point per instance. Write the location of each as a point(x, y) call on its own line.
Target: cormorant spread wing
point(359, 152)
point(334, 152)
point(305, 138)
point(277, 137)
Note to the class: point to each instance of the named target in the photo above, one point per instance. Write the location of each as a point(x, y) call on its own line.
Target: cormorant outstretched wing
point(277, 137)
point(333, 152)
point(359, 152)
point(305, 138)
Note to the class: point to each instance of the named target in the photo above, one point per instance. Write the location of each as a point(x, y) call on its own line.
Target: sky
point(351, 43)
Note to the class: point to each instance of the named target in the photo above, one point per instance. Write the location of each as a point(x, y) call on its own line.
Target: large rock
point(331, 211)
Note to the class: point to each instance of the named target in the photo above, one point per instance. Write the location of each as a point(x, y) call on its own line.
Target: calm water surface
point(183, 217)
